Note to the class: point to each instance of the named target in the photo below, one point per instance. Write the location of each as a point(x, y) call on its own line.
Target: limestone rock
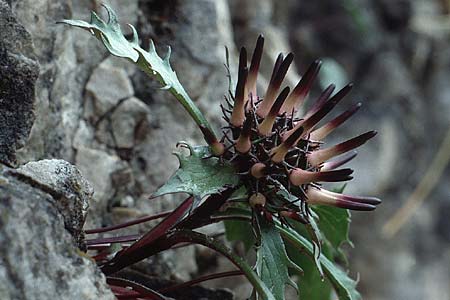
point(65, 183)
point(38, 258)
point(18, 73)
point(100, 168)
point(84, 135)
point(107, 86)
point(67, 58)
point(125, 119)
point(119, 63)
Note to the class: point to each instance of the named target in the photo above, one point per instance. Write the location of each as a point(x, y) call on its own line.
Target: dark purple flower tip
point(335, 175)
point(331, 165)
point(276, 66)
point(322, 110)
point(298, 176)
point(355, 142)
point(324, 197)
point(317, 157)
point(326, 129)
point(254, 66)
point(322, 107)
point(238, 113)
point(299, 93)
point(362, 199)
point(354, 199)
point(274, 85)
point(355, 205)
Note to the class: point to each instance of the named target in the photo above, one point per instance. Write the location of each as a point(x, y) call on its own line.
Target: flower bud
point(257, 199)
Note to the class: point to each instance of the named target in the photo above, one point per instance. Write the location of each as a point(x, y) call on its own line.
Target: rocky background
point(64, 101)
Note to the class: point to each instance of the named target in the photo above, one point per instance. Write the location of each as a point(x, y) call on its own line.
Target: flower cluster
point(280, 156)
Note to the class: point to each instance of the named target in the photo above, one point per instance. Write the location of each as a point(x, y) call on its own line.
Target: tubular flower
point(281, 156)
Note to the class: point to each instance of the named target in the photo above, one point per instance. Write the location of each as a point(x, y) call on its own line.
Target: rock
point(66, 58)
point(259, 17)
point(107, 86)
point(19, 71)
point(125, 119)
point(99, 169)
point(38, 259)
point(129, 11)
point(119, 63)
point(65, 183)
point(200, 32)
point(84, 135)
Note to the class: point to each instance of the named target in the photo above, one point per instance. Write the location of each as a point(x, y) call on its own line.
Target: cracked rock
point(65, 183)
point(18, 73)
point(125, 119)
point(107, 86)
point(100, 175)
point(38, 259)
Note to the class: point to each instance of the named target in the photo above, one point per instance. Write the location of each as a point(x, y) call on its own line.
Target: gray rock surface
point(66, 58)
point(65, 183)
point(99, 175)
point(18, 73)
point(39, 259)
point(107, 86)
point(126, 119)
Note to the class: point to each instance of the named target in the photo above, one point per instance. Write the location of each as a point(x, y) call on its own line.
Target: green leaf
point(199, 174)
point(311, 285)
point(240, 231)
point(344, 286)
point(110, 34)
point(272, 262)
point(334, 223)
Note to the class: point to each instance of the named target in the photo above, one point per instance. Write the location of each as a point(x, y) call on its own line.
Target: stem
point(182, 236)
point(200, 279)
point(119, 239)
point(138, 289)
point(198, 238)
point(129, 223)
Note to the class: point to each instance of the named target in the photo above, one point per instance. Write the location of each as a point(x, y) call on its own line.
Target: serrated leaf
point(199, 175)
point(344, 286)
point(311, 284)
point(272, 262)
point(334, 223)
point(110, 34)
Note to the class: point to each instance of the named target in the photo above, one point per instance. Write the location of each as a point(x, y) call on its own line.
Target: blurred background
point(92, 108)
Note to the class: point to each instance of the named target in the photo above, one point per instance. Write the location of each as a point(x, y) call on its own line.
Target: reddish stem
point(201, 279)
point(119, 239)
point(129, 223)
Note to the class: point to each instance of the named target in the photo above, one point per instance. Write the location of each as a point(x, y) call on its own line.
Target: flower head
point(281, 156)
